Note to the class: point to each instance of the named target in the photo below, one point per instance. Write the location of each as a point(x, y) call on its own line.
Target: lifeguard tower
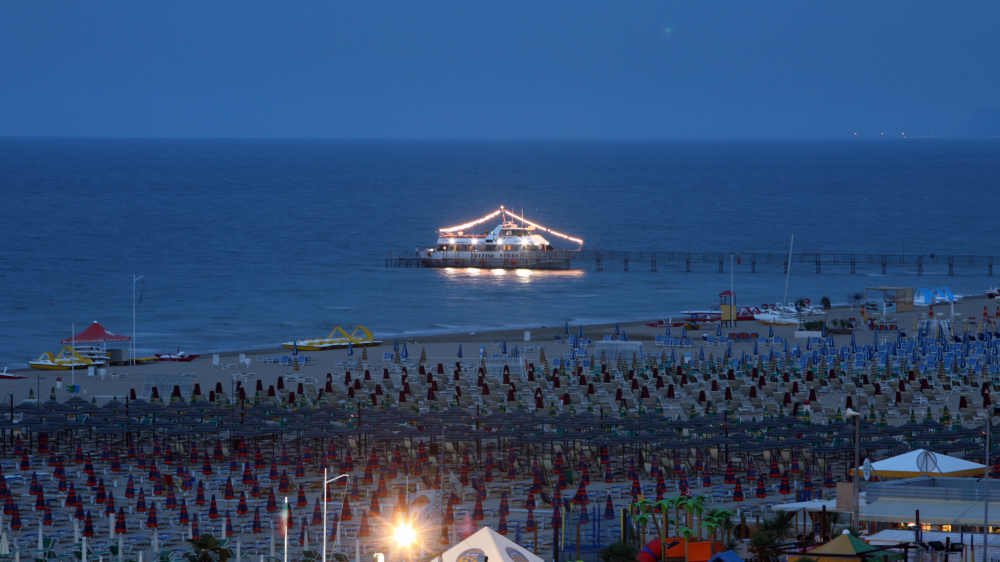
point(727, 304)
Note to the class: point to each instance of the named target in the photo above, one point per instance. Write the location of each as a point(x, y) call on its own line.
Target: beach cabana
point(487, 542)
point(95, 333)
point(908, 465)
point(844, 545)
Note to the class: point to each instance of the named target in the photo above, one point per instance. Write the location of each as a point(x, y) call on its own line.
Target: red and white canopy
point(95, 333)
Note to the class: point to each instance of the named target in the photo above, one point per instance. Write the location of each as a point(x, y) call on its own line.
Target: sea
point(243, 244)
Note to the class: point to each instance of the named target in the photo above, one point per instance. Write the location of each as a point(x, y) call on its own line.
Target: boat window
point(490, 248)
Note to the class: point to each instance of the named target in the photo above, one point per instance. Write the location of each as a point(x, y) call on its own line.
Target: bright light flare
point(405, 535)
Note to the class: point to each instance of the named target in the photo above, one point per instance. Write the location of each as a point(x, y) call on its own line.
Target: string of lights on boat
point(503, 211)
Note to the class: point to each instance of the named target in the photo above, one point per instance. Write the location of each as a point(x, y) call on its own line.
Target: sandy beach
point(441, 348)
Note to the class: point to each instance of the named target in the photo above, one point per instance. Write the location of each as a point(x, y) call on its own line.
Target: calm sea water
point(249, 243)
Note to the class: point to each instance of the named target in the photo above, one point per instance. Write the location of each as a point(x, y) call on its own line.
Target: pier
point(756, 262)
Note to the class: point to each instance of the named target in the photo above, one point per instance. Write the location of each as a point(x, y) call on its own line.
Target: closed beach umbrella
point(345, 510)
point(257, 528)
point(120, 527)
point(151, 520)
point(88, 526)
point(761, 490)
point(242, 508)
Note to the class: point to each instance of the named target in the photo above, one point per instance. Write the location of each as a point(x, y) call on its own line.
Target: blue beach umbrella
point(459, 351)
point(673, 356)
point(395, 344)
point(295, 348)
point(684, 331)
point(667, 332)
point(823, 329)
point(755, 350)
point(618, 329)
point(854, 344)
point(785, 349)
point(770, 331)
point(517, 352)
point(809, 344)
point(566, 329)
point(624, 336)
point(729, 350)
point(579, 334)
point(718, 329)
point(701, 354)
point(350, 348)
point(504, 348)
point(405, 353)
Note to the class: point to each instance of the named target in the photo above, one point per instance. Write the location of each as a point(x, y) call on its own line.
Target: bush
point(813, 326)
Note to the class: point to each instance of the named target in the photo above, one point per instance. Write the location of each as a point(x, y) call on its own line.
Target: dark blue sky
point(467, 69)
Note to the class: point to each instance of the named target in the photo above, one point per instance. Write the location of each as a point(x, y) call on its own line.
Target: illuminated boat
point(516, 243)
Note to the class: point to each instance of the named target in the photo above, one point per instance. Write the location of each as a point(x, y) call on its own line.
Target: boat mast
point(788, 271)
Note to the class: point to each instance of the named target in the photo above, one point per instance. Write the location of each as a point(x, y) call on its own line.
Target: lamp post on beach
point(326, 482)
point(857, 465)
point(134, 281)
point(11, 417)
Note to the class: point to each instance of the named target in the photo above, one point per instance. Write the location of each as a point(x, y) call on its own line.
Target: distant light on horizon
point(667, 30)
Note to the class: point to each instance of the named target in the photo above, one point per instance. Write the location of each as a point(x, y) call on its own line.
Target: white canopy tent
point(487, 543)
point(925, 463)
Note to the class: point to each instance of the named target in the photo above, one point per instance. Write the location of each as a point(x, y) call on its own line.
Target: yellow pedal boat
point(66, 359)
point(337, 338)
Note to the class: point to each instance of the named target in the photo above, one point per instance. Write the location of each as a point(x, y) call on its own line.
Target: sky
point(513, 69)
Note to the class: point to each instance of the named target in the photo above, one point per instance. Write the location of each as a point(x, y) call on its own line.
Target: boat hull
point(312, 347)
point(177, 358)
point(517, 260)
point(56, 366)
point(775, 320)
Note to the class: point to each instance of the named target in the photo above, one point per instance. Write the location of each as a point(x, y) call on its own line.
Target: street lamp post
point(857, 465)
point(326, 482)
point(134, 281)
point(990, 420)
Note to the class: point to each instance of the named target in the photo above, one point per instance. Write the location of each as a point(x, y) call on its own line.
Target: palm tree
point(687, 533)
point(642, 519)
point(664, 506)
point(723, 518)
point(780, 526)
point(712, 527)
point(643, 514)
point(759, 540)
point(694, 505)
point(618, 551)
point(206, 545)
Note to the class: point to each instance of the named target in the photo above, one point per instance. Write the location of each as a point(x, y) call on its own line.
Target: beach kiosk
point(727, 304)
point(888, 300)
